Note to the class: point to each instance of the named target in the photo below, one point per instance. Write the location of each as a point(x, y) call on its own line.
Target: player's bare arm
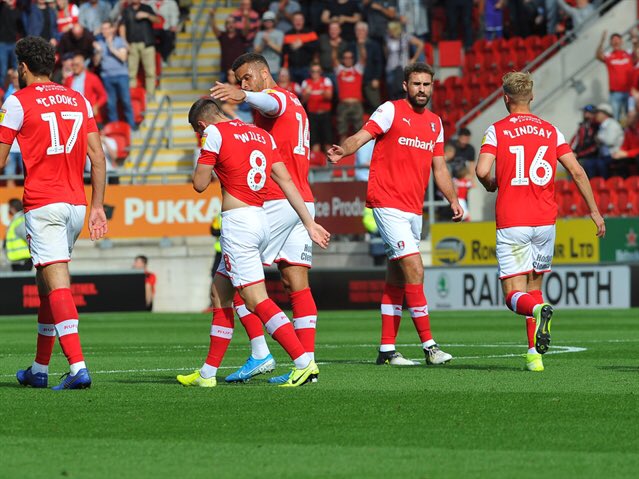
point(483, 171)
point(202, 177)
point(349, 146)
point(570, 163)
point(445, 184)
point(4, 154)
point(97, 217)
point(282, 177)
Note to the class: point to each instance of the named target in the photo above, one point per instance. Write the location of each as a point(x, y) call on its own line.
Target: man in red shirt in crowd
point(350, 78)
point(317, 94)
point(525, 150)
point(55, 129)
point(620, 64)
point(88, 84)
point(141, 262)
point(627, 157)
point(409, 141)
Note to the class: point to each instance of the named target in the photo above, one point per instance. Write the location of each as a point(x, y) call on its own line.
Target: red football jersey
point(349, 82)
point(620, 66)
point(526, 150)
point(51, 124)
point(316, 102)
point(406, 142)
point(289, 128)
point(242, 156)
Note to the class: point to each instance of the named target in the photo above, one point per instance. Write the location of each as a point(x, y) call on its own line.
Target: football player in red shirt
point(525, 150)
point(244, 157)
point(280, 113)
point(409, 142)
point(55, 129)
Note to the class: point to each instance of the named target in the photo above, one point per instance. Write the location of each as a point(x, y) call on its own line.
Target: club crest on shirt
point(433, 127)
point(203, 140)
point(2, 113)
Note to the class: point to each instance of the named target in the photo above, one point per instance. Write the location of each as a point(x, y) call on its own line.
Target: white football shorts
point(523, 249)
point(401, 231)
point(289, 241)
point(244, 237)
point(52, 231)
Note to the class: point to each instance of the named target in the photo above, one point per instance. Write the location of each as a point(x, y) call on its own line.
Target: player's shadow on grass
point(477, 367)
point(167, 380)
point(621, 369)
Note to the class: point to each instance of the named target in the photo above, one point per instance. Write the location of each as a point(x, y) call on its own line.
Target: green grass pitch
point(480, 416)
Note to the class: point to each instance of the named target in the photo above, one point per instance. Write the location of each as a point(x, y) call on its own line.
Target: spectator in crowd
point(494, 19)
point(363, 158)
point(141, 262)
point(620, 67)
point(40, 20)
point(232, 42)
point(449, 156)
point(584, 143)
point(9, 23)
point(627, 156)
point(317, 95)
point(609, 139)
point(68, 15)
point(378, 13)
point(269, 41)
point(312, 10)
point(300, 47)
point(111, 53)
point(284, 10)
point(232, 110)
point(16, 244)
point(398, 47)
point(14, 160)
point(284, 81)
point(414, 16)
point(110, 149)
point(456, 10)
point(350, 109)
point(246, 20)
point(93, 14)
point(463, 148)
point(166, 28)
point(331, 48)
point(65, 70)
point(138, 19)
point(523, 14)
point(77, 40)
point(344, 12)
point(550, 7)
point(88, 83)
point(582, 13)
point(374, 68)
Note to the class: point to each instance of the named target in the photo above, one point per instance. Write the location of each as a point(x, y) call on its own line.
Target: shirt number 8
point(256, 177)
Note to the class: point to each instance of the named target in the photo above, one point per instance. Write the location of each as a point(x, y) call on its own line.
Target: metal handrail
point(560, 43)
point(197, 39)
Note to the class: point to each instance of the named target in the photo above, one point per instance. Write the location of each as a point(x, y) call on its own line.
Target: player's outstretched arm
point(445, 184)
point(282, 177)
point(482, 170)
point(202, 176)
point(569, 161)
point(97, 217)
point(349, 146)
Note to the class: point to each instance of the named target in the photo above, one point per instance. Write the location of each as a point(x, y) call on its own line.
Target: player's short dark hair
point(418, 67)
point(463, 131)
point(616, 35)
point(249, 58)
point(15, 204)
point(204, 107)
point(37, 54)
point(142, 258)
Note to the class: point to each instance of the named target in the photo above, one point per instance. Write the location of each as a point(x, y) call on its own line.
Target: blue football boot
point(82, 380)
point(252, 367)
point(35, 380)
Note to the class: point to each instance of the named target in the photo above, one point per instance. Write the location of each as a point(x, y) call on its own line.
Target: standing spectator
point(584, 143)
point(609, 139)
point(344, 12)
point(627, 157)
point(111, 54)
point(331, 47)
point(284, 81)
point(246, 20)
point(551, 16)
point(77, 40)
point(494, 19)
point(15, 244)
point(141, 262)
point(463, 148)
point(14, 160)
point(581, 13)
point(378, 13)
point(284, 10)
point(374, 68)
point(455, 10)
point(317, 95)
point(40, 20)
point(350, 110)
point(88, 84)
point(269, 42)
point(9, 22)
point(137, 20)
point(414, 16)
point(312, 9)
point(232, 42)
point(398, 45)
point(620, 67)
point(93, 13)
point(166, 31)
point(300, 47)
point(522, 17)
point(68, 15)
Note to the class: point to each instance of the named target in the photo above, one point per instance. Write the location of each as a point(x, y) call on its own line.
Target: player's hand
point(226, 92)
point(97, 223)
point(319, 235)
point(599, 223)
point(492, 186)
point(458, 211)
point(334, 154)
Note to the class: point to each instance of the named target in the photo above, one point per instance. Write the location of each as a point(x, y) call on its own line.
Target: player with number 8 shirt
point(280, 113)
point(525, 150)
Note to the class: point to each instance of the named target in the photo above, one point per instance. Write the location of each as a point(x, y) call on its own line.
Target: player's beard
point(418, 101)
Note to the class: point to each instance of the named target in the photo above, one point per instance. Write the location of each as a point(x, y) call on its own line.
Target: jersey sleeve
point(381, 121)
point(563, 148)
point(276, 157)
point(211, 143)
point(439, 143)
point(270, 103)
point(92, 126)
point(489, 142)
point(11, 118)
point(328, 84)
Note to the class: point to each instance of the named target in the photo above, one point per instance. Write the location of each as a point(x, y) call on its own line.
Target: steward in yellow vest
point(15, 244)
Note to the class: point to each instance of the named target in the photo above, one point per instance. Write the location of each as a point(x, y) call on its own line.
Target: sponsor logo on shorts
point(307, 254)
point(542, 262)
point(450, 250)
point(401, 245)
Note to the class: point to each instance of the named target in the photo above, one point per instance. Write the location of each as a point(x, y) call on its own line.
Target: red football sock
point(418, 307)
point(391, 308)
point(280, 328)
point(65, 318)
point(304, 318)
point(252, 324)
point(46, 333)
point(221, 334)
point(531, 325)
point(521, 303)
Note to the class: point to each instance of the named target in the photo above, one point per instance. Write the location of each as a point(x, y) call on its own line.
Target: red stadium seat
point(120, 131)
point(450, 53)
point(317, 158)
point(429, 53)
point(632, 183)
point(138, 103)
point(473, 62)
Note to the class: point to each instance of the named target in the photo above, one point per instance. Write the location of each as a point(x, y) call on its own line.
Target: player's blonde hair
point(518, 86)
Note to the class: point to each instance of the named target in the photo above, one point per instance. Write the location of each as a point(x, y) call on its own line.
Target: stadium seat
point(603, 196)
point(120, 131)
point(632, 183)
point(346, 161)
point(317, 159)
point(138, 103)
point(473, 61)
point(450, 53)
